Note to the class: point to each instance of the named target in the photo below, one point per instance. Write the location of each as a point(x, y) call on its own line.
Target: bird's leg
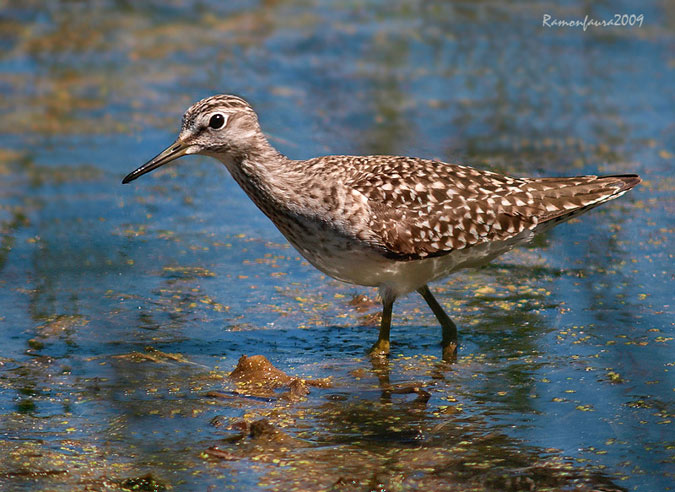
point(381, 347)
point(449, 340)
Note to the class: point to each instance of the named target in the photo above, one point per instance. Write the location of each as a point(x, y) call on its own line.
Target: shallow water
point(124, 308)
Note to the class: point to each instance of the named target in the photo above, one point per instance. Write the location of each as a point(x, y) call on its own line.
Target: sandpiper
point(391, 222)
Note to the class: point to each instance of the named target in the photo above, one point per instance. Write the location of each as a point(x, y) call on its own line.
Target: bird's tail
point(560, 199)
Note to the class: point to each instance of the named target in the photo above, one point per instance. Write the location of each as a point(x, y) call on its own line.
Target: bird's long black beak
point(178, 149)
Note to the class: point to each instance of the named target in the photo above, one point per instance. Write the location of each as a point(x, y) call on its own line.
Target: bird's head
point(222, 126)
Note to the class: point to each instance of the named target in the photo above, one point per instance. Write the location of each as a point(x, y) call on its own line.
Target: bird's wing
point(422, 208)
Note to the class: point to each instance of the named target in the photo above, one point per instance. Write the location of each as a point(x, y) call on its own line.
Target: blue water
point(564, 374)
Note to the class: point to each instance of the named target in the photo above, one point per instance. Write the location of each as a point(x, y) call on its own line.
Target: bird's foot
point(380, 349)
point(450, 352)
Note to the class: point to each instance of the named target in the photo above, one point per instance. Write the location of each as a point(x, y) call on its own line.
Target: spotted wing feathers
point(421, 208)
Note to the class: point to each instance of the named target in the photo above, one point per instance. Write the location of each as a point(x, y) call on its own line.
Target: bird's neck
point(267, 176)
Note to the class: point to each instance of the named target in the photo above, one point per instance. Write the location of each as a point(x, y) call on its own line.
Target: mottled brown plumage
point(422, 208)
point(392, 222)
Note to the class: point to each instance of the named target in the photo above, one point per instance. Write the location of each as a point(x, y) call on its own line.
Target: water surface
point(124, 308)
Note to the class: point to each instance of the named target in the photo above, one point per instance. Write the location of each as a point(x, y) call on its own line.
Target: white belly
point(362, 266)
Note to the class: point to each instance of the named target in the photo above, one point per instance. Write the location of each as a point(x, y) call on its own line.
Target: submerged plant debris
point(126, 311)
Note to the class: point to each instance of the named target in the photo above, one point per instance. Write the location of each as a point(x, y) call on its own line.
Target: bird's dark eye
point(217, 121)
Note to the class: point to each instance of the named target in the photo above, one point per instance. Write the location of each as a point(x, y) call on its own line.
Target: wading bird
point(395, 223)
